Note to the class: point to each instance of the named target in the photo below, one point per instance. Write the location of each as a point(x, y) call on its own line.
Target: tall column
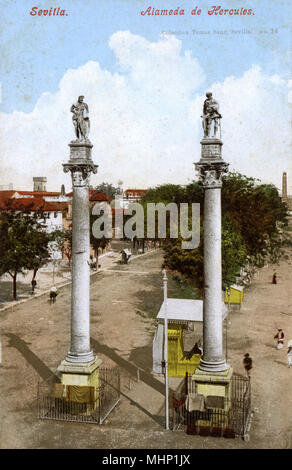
point(80, 167)
point(211, 168)
point(80, 366)
point(213, 376)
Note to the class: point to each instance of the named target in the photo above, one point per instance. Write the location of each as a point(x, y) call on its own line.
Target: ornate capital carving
point(211, 173)
point(80, 172)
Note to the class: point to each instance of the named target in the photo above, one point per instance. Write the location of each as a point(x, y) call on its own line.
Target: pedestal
point(79, 377)
point(214, 384)
point(80, 374)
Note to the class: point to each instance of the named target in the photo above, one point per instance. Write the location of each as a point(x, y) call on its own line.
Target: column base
point(80, 357)
point(213, 384)
point(213, 367)
point(80, 374)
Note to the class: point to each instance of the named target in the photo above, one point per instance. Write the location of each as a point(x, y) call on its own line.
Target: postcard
point(115, 104)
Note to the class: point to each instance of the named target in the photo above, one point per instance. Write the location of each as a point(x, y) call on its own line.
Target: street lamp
point(165, 361)
point(228, 293)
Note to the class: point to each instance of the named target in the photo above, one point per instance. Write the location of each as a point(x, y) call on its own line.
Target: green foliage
point(165, 193)
point(97, 243)
point(255, 209)
point(108, 189)
point(251, 215)
point(174, 193)
point(63, 241)
point(23, 244)
point(234, 254)
point(187, 262)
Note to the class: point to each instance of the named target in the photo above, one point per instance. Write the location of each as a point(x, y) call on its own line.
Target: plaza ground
point(124, 299)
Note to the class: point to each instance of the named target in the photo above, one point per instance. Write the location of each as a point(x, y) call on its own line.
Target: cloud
point(256, 125)
point(145, 120)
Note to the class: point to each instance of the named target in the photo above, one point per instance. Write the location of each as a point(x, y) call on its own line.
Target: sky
point(144, 78)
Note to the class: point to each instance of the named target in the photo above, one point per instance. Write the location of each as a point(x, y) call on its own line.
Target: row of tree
point(252, 214)
point(25, 244)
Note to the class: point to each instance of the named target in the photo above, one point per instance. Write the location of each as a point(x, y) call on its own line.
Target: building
point(54, 208)
point(4, 187)
point(94, 197)
point(39, 183)
point(132, 195)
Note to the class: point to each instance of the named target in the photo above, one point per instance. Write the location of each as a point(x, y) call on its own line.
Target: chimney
point(284, 187)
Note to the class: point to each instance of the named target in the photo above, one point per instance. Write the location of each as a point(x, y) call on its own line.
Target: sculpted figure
point(80, 119)
point(210, 113)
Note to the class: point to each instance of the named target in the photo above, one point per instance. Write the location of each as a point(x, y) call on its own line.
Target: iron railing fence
point(55, 402)
point(221, 416)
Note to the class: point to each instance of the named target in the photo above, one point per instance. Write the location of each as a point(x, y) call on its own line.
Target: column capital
point(211, 172)
point(80, 171)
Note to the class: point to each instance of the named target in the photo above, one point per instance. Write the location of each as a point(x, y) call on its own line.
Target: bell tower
point(39, 183)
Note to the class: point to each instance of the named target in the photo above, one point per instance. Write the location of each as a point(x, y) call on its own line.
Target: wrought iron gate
point(230, 419)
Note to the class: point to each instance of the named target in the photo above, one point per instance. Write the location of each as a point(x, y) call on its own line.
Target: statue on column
point(210, 113)
point(81, 119)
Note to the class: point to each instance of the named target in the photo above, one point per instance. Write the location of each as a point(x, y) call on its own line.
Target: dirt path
point(35, 338)
point(267, 307)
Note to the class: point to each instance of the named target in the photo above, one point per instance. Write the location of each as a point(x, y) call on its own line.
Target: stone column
point(80, 358)
point(213, 376)
point(211, 168)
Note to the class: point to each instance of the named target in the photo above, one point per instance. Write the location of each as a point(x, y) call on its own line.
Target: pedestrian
point(53, 294)
point(247, 362)
point(33, 284)
point(274, 280)
point(289, 356)
point(279, 336)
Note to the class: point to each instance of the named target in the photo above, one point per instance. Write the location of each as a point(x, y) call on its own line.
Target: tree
point(63, 242)
point(97, 243)
point(251, 215)
point(108, 189)
point(234, 253)
point(164, 193)
point(255, 211)
point(23, 244)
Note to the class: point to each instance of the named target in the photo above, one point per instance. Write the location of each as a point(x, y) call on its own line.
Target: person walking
point(279, 336)
point(274, 279)
point(53, 294)
point(289, 355)
point(247, 363)
point(33, 284)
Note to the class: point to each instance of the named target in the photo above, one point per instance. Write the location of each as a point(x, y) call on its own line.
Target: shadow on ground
point(140, 357)
point(45, 372)
point(39, 366)
point(145, 377)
